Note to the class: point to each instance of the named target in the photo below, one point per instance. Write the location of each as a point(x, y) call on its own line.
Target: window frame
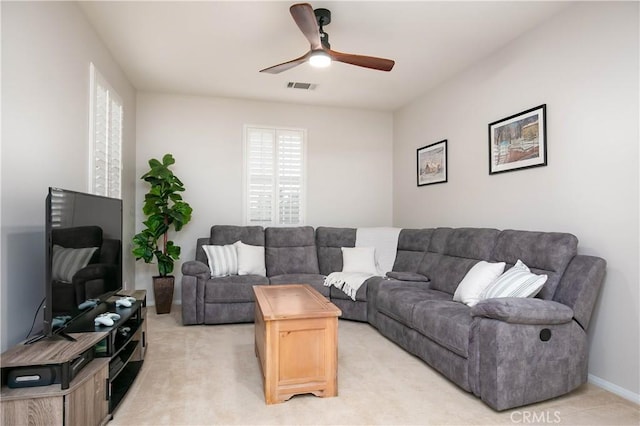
point(96, 79)
point(275, 211)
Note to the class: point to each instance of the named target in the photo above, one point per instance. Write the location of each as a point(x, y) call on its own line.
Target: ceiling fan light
point(320, 59)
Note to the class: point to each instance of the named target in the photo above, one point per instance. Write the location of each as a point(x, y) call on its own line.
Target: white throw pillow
point(476, 281)
point(250, 259)
point(359, 259)
point(67, 261)
point(516, 282)
point(223, 260)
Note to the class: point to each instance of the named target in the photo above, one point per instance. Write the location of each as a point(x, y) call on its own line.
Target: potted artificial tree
point(164, 208)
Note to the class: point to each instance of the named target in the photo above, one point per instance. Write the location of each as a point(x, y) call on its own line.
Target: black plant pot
point(163, 293)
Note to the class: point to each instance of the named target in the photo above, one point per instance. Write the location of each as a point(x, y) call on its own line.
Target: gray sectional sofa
point(507, 351)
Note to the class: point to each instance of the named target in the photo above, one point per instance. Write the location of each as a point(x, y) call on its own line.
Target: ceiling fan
point(311, 23)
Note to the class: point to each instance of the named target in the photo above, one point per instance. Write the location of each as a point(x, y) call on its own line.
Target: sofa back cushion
point(291, 251)
point(329, 242)
point(546, 253)
point(201, 256)
point(456, 251)
point(412, 245)
point(228, 234)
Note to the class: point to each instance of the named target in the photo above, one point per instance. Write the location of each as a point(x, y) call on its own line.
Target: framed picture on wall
point(432, 163)
point(519, 141)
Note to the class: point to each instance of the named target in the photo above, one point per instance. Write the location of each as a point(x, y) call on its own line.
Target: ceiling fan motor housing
point(323, 16)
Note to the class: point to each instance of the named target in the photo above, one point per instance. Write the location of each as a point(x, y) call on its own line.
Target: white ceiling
point(216, 48)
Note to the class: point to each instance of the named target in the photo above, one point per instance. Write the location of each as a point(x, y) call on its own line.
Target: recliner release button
point(545, 334)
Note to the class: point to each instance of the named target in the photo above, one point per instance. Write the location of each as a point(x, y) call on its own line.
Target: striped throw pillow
point(516, 282)
point(223, 260)
point(67, 261)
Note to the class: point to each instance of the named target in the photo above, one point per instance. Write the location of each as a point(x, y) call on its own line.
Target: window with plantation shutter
point(105, 171)
point(274, 176)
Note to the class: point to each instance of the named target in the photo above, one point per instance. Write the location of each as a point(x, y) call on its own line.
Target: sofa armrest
point(194, 276)
point(407, 276)
point(196, 268)
point(511, 365)
point(518, 310)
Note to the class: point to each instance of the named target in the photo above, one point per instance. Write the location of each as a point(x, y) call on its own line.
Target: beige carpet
point(205, 375)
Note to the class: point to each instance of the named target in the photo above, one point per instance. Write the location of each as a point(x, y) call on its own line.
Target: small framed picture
point(432, 163)
point(519, 141)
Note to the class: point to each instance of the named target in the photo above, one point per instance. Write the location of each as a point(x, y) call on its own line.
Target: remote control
point(107, 319)
point(89, 303)
point(60, 321)
point(125, 302)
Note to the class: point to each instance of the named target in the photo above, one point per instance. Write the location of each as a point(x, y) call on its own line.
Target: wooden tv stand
point(93, 395)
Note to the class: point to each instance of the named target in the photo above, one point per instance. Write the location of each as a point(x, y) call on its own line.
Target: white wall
point(584, 65)
point(46, 51)
point(349, 160)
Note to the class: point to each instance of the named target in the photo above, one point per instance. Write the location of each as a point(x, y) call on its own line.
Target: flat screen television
point(83, 255)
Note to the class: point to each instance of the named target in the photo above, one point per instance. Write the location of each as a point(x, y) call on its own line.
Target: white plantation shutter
point(290, 147)
point(114, 167)
point(274, 167)
point(105, 172)
point(260, 177)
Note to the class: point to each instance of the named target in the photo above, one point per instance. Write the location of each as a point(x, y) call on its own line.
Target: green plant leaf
point(164, 209)
point(173, 250)
point(165, 264)
point(168, 160)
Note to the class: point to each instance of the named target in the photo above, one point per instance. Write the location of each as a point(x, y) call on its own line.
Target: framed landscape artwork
point(432, 163)
point(519, 141)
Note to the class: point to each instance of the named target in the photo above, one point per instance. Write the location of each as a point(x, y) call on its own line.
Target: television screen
point(83, 252)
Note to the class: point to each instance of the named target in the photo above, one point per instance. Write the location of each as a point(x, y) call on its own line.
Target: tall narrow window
point(105, 162)
point(274, 176)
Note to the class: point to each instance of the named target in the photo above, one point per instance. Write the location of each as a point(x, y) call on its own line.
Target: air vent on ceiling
point(303, 86)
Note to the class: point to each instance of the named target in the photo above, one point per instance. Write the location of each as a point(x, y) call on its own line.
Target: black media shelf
point(121, 341)
point(121, 384)
point(121, 359)
point(119, 345)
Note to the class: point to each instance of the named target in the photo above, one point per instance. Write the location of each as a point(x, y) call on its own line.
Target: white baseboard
point(620, 391)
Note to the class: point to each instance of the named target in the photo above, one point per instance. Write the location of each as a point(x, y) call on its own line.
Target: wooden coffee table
point(296, 341)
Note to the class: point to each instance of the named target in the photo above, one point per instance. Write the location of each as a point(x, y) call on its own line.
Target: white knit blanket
point(348, 282)
point(385, 242)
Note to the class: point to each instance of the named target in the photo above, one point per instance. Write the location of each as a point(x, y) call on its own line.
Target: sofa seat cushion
point(314, 280)
point(445, 322)
point(398, 301)
point(232, 289)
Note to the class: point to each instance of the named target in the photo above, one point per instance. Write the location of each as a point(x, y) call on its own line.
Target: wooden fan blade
point(372, 62)
point(276, 69)
point(305, 18)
